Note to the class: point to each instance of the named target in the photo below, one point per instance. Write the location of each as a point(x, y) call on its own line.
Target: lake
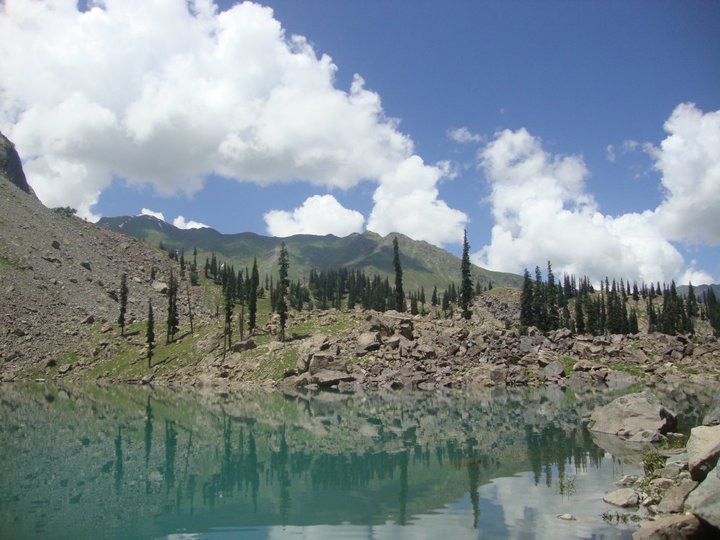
point(139, 462)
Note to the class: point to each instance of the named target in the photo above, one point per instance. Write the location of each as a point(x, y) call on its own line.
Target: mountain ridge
point(424, 265)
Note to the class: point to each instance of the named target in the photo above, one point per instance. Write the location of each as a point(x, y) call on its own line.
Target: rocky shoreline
point(680, 487)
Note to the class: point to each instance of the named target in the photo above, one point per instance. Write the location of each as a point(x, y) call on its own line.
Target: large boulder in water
point(636, 417)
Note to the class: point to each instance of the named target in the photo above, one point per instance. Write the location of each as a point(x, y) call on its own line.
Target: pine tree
point(253, 296)
point(150, 334)
point(466, 287)
point(227, 331)
point(282, 290)
point(399, 293)
point(172, 313)
point(526, 302)
point(434, 297)
point(123, 303)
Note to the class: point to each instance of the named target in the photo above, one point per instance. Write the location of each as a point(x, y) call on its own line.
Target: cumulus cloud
point(689, 162)
point(407, 201)
point(463, 135)
point(542, 211)
point(169, 92)
point(319, 214)
point(148, 212)
point(181, 223)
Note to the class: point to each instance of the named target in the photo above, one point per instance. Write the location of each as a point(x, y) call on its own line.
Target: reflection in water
point(499, 462)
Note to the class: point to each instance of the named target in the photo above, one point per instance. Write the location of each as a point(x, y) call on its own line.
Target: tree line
point(548, 304)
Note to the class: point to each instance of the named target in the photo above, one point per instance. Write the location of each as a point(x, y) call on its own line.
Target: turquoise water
point(137, 462)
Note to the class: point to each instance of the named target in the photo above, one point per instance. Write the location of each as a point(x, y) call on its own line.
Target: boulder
point(368, 341)
point(320, 361)
point(241, 346)
point(328, 377)
point(160, 287)
point(703, 449)
point(554, 370)
point(308, 348)
point(704, 501)
point(673, 527)
point(583, 365)
point(674, 499)
point(638, 417)
point(623, 497)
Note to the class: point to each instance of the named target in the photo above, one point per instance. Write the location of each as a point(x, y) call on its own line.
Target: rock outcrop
point(11, 167)
point(638, 417)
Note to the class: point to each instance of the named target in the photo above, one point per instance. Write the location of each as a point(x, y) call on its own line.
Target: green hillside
point(423, 264)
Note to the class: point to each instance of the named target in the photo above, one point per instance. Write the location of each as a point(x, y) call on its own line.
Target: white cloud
point(689, 161)
point(148, 212)
point(168, 92)
point(319, 214)
point(463, 135)
point(181, 223)
point(407, 202)
point(543, 212)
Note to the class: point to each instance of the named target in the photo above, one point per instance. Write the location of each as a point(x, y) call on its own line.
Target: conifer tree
point(227, 330)
point(123, 303)
point(150, 334)
point(282, 290)
point(466, 286)
point(399, 293)
point(434, 297)
point(253, 296)
point(172, 313)
point(526, 302)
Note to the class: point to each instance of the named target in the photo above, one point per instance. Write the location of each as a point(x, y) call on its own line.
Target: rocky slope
point(60, 276)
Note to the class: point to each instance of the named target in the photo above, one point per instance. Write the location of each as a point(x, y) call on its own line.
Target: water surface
point(137, 462)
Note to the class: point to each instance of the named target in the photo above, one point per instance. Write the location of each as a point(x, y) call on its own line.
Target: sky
point(578, 132)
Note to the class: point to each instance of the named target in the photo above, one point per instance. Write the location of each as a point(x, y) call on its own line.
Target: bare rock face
point(636, 417)
point(11, 166)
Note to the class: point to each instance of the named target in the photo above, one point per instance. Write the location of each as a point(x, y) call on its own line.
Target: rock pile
point(393, 350)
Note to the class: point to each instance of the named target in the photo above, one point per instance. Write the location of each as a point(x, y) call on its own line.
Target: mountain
point(699, 290)
point(423, 264)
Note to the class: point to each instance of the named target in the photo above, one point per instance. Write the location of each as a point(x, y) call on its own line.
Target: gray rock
point(583, 365)
point(320, 361)
point(566, 517)
point(147, 379)
point(86, 265)
point(368, 341)
point(554, 370)
point(674, 499)
point(704, 501)
point(64, 369)
point(241, 346)
point(637, 416)
point(670, 528)
point(328, 377)
point(703, 449)
point(160, 287)
point(623, 497)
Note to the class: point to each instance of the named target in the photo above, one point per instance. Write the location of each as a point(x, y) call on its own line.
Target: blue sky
point(585, 133)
